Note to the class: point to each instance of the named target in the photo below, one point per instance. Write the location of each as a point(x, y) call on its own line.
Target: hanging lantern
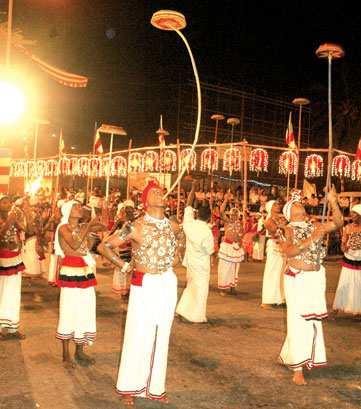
point(313, 166)
point(356, 170)
point(209, 160)
point(135, 162)
point(40, 168)
point(258, 160)
point(118, 167)
point(150, 162)
point(51, 167)
point(168, 161)
point(83, 166)
point(288, 163)
point(341, 166)
point(95, 166)
point(31, 169)
point(232, 160)
point(188, 159)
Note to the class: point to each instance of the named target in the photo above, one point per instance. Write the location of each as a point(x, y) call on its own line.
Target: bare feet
point(266, 306)
point(83, 359)
point(128, 400)
point(6, 336)
point(69, 363)
point(299, 379)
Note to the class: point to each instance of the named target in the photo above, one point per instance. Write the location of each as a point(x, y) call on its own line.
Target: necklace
point(160, 223)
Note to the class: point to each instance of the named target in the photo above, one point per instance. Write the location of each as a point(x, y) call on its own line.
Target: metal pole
point(128, 173)
point(9, 34)
point(109, 167)
point(245, 181)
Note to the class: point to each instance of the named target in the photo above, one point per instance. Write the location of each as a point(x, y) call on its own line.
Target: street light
point(12, 103)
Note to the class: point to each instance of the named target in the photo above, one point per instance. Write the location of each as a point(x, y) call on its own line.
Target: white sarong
point(348, 293)
point(10, 298)
point(31, 258)
point(77, 315)
point(272, 288)
point(230, 256)
point(143, 364)
point(306, 307)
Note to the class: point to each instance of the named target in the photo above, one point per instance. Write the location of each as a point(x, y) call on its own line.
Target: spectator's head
point(204, 213)
point(356, 214)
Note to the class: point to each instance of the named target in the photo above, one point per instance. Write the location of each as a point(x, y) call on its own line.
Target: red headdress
point(152, 184)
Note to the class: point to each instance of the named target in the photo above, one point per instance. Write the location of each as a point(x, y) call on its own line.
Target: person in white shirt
point(199, 247)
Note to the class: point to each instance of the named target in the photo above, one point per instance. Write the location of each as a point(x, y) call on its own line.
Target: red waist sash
point(291, 273)
point(4, 253)
point(137, 278)
point(73, 261)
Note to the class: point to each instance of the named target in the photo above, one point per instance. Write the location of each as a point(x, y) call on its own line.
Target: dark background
point(135, 70)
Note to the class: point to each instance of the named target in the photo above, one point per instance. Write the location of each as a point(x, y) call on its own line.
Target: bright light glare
point(32, 187)
point(12, 103)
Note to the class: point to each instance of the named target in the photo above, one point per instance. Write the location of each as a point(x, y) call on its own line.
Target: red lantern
point(135, 162)
point(150, 162)
point(356, 170)
point(209, 160)
point(258, 161)
point(188, 159)
point(288, 163)
point(232, 161)
point(313, 166)
point(168, 161)
point(341, 166)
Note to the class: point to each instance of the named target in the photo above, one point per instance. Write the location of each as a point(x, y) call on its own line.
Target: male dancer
point(152, 300)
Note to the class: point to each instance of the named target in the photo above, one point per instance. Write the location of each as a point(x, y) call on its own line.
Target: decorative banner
point(135, 162)
point(150, 161)
point(356, 170)
point(341, 166)
point(168, 161)
point(95, 167)
point(209, 160)
point(313, 166)
point(188, 159)
point(258, 161)
point(232, 161)
point(119, 166)
point(288, 163)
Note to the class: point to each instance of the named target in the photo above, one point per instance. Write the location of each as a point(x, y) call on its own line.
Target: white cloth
point(258, 248)
point(143, 364)
point(120, 285)
point(31, 258)
point(230, 257)
point(272, 288)
point(348, 293)
point(306, 306)
point(199, 247)
point(53, 269)
point(77, 315)
point(10, 298)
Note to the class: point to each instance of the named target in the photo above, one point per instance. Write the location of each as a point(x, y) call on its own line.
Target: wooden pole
point(245, 181)
point(88, 180)
point(288, 184)
point(128, 172)
point(109, 168)
point(93, 155)
point(298, 145)
point(9, 32)
point(179, 184)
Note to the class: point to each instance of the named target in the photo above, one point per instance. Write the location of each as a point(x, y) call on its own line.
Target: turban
point(144, 198)
point(295, 198)
point(356, 209)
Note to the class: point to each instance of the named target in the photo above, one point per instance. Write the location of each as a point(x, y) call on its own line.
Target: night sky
point(135, 69)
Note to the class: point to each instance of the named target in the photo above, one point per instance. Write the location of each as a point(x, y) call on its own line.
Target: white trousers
point(10, 298)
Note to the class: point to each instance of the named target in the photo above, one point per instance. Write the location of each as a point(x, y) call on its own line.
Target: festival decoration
point(167, 161)
point(135, 162)
point(209, 160)
point(313, 166)
point(150, 161)
point(118, 166)
point(341, 166)
point(288, 163)
point(232, 161)
point(356, 170)
point(95, 166)
point(258, 161)
point(188, 159)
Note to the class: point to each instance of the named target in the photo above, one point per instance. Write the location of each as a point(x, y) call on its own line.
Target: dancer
point(11, 267)
point(152, 299)
point(192, 305)
point(77, 309)
point(305, 286)
point(348, 293)
point(231, 253)
point(272, 288)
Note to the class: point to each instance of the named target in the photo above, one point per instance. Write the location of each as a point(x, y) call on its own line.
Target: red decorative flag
point(290, 137)
point(98, 147)
point(358, 150)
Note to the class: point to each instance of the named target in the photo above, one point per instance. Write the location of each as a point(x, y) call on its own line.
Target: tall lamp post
point(329, 51)
point(300, 102)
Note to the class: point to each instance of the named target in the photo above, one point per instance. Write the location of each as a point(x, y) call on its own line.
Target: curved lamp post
point(170, 20)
